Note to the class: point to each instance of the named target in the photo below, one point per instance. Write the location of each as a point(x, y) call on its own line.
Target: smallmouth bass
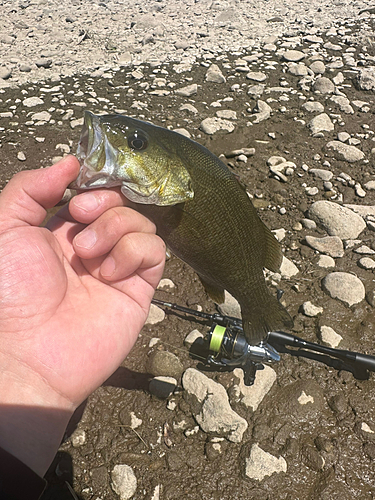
point(198, 206)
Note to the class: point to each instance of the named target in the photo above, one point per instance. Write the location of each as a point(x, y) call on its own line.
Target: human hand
point(68, 318)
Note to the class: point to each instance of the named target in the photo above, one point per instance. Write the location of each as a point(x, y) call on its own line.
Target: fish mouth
point(96, 156)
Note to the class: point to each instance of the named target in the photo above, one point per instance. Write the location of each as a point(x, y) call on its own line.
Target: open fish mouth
point(96, 156)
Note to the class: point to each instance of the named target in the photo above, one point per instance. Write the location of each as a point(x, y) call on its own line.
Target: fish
point(198, 205)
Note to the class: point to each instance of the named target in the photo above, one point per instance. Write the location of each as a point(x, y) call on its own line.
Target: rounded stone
point(344, 287)
point(317, 67)
point(293, 55)
point(324, 85)
point(5, 73)
point(337, 220)
point(124, 481)
point(163, 363)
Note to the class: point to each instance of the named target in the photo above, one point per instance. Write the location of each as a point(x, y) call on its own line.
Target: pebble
point(78, 438)
point(30, 102)
point(326, 261)
point(195, 336)
point(324, 85)
point(345, 287)
point(262, 111)
point(329, 337)
point(164, 363)
point(43, 63)
point(343, 136)
point(365, 211)
point(215, 75)
point(5, 73)
point(344, 151)
point(321, 123)
point(298, 69)
point(212, 125)
point(288, 268)
point(367, 263)
point(308, 224)
point(21, 156)
point(313, 107)
point(43, 116)
point(364, 249)
point(226, 114)
point(188, 107)
point(309, 309)
point(215, 414)
point(257, 76)
point(324, 175)
point(366, 78)
point(337, 220)
point(166, 284)
point(123, 481)
point(187, 91)
point(329, 245)
point(343, 103)
point(318, 67)
point(293, 55)
point(261, 464)
point(155, 315)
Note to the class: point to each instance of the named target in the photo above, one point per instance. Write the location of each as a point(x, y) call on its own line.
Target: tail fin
point(269, 316)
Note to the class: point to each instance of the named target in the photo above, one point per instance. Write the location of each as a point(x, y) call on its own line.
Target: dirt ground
point(329, 455)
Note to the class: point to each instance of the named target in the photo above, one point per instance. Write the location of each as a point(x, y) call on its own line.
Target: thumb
point(29, 193)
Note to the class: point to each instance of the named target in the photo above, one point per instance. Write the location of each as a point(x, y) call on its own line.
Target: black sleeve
point(17, 480)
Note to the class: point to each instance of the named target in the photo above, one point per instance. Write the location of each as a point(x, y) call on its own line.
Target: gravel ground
point(286, 94)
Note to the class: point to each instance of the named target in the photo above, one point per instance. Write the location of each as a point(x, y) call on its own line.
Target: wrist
point(33, 417)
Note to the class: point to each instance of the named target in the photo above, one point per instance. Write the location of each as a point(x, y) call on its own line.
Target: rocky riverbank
point(286, 95)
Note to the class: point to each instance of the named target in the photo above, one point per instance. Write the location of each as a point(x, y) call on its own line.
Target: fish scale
point(210, 224)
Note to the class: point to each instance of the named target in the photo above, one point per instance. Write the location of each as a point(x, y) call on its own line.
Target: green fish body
point(198, 206)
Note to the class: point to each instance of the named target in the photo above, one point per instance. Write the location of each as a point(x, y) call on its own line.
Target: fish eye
point(137, 141)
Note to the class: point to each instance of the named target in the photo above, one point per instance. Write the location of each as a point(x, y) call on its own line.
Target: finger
point(29, 193)
point(88, 206)
point(133, 253)
point(99, 237)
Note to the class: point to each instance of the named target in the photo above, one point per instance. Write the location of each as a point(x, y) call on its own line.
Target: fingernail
point(86, 239)
point(108, 267)
point(86, 201)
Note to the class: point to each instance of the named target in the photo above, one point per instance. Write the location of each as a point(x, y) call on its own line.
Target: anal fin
point(215, 292)
point(258, 321)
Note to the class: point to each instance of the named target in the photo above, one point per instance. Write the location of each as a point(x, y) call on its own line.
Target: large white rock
point(321, 123)
point(330, 245)
point(215, 414)
point(345, 287)
point(337, 220)
point(345, 152)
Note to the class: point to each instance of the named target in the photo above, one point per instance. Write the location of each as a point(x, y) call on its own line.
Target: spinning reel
point(228, 347)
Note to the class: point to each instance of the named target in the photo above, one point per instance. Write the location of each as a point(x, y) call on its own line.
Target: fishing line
point(173, 346)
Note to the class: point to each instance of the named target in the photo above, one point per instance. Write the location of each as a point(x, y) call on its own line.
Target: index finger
point(88, 206)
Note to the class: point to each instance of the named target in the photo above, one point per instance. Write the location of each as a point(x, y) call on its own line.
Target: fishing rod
point(228, 347)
